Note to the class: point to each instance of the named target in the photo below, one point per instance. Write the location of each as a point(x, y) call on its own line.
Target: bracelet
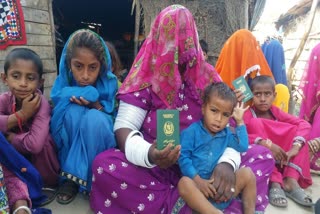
point(100, 108)
point(297, 143)
point(27, 209)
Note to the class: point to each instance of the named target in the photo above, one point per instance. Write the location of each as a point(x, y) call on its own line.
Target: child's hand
point(205, 186)
point(81, 101)
point(238, 113)
point(278, 153)
point(292, 152)
point(239, 95)
point(30, 105)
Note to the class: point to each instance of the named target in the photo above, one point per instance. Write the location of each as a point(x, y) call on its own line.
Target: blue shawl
point(65, 86)
point(273, 52)
point(14, 161)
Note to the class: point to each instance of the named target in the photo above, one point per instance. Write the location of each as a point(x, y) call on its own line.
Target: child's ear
point(4, 78)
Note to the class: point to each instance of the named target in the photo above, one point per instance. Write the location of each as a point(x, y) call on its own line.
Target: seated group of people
point(99, 139)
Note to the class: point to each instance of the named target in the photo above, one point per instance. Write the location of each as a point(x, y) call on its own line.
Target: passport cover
point(168, 128)
point(241, 83)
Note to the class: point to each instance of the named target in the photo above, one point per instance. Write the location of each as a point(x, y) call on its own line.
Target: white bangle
point(27, 209)
point(137, 149)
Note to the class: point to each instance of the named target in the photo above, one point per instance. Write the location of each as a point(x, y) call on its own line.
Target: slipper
point(68, 188)
point(300, 197)
point(51, 195)
point(276, 195)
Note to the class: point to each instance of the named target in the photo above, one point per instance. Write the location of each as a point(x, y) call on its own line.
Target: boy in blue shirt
point(203, 143)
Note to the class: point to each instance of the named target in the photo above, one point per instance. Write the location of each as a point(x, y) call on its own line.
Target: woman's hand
point(205, 186)
point(164, 158)
point(224, 181)
point(314, 145)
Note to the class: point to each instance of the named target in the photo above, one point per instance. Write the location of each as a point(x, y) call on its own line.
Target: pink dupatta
point(172, 42)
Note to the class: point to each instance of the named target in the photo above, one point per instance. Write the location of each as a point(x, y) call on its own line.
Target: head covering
point(274, 54)
point(241, 56)
point(310, 86)
point(106, 83)
point(282, 98)
point(173, 41)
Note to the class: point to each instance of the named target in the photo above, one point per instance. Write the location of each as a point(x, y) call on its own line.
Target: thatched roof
point(298, 11)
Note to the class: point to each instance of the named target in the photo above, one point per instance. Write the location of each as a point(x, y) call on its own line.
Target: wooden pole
point(137, 25)
point(291, 73)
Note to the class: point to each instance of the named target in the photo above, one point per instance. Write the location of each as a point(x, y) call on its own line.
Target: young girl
point(25, 117)
point(84, 106)
point(203, 143)
point(285, 135)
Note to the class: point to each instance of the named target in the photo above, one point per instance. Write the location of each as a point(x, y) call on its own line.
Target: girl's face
point(263, 96)
point(22, 78)
point(85, 66)
point(216, 113)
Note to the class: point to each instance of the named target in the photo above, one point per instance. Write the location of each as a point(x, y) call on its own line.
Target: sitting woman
point(310, 106)
point(169, 72)
point(84, 108)
point(285, 135)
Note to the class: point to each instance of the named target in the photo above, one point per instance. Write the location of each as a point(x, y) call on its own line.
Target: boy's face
point(263, 96)
point(22, 78)
point(216, 113)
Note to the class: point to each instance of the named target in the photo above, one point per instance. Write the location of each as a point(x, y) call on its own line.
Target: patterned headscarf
point(241, 55)
point(172, 42)
point(310, 86)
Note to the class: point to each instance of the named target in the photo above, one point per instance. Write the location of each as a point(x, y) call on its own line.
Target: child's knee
point(183, 184)
point(247, 175)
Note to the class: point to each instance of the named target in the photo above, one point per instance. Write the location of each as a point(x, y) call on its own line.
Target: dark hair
point(261, 80)
point(204, 45)
point(86, 39)
point(116, 62)
point(25, 54)
point(221, 90)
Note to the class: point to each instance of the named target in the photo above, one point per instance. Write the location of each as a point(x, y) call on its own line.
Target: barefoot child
point(285, 135)
point(25, 117)
point(203, 143)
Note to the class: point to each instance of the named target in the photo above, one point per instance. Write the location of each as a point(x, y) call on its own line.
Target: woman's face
point(85, 66)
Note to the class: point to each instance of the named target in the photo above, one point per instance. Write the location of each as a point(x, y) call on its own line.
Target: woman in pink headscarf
point(310, 106)
point(169, 72)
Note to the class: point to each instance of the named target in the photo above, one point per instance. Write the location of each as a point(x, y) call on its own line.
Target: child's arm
point(187, 147)
point(34, 140)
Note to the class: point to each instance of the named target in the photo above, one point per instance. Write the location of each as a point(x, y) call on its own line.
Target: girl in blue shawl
point(84, 108)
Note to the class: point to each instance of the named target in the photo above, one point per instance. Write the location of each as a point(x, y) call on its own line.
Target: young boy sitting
point(203, 143)
point(285, 135)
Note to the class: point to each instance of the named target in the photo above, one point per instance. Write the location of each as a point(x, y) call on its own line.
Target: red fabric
point(282, 131)
point(12, 29)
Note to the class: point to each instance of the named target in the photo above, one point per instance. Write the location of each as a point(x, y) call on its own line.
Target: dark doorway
point(112, 20)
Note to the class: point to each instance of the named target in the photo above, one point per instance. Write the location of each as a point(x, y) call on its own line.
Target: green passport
point(168, 128)
point(241, 83)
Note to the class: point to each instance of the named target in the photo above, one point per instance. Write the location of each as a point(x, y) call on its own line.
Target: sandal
point(277, 197)
point(68, 188)
point(300, 197)
point(51, 195)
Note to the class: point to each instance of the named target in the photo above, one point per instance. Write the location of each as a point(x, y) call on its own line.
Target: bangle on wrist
point(100, 108)
point(297, 143)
